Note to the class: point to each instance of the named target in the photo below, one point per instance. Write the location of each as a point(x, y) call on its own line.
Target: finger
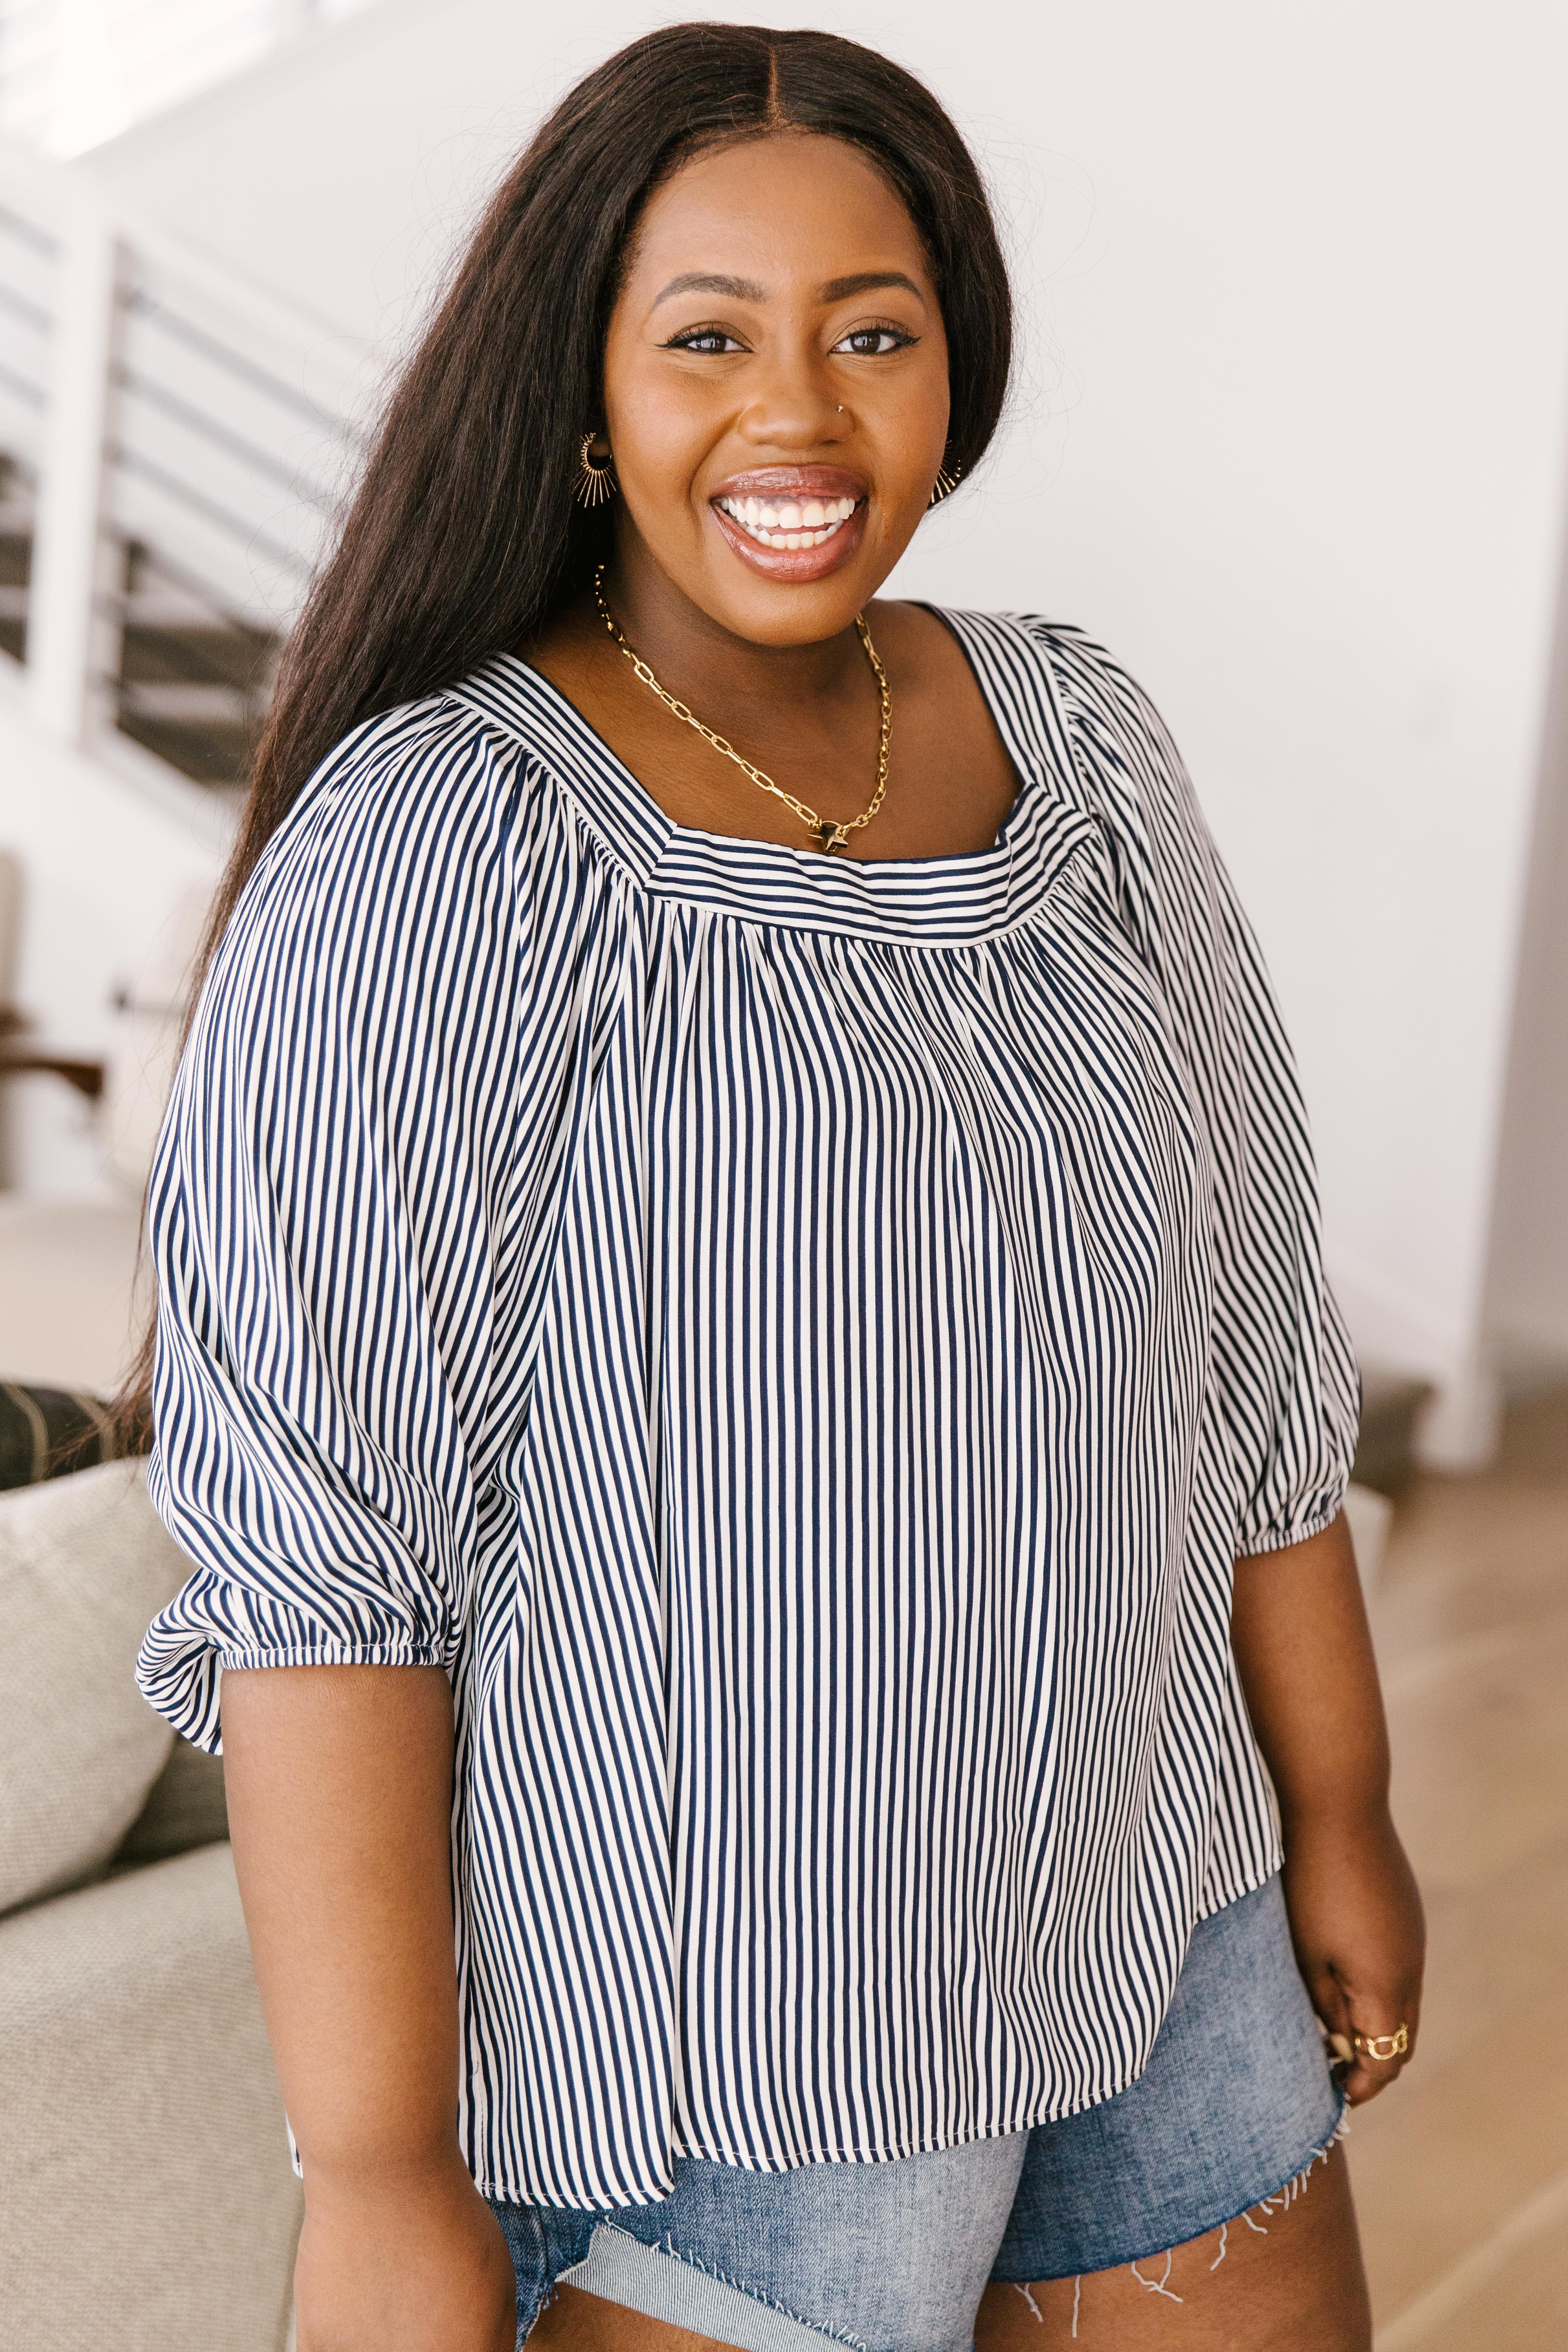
point(1361, 2082)
point(1367, 2074)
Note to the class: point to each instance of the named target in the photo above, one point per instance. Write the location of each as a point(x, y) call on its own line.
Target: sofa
point(147, 2203)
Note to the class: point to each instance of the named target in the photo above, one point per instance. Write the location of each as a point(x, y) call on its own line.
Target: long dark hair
point(465, 532)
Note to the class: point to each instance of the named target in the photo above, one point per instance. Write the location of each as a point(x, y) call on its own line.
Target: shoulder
point(1097, 731)
point(427, 778)
point(1070, 701)
point(400, 858)
point(429, 808)
point(1091, 691)
point(1114, 722)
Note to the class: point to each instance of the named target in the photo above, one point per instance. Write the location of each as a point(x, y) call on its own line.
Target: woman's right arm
point(339, 1789)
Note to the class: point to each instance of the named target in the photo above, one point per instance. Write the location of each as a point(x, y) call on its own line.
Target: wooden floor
point(1462, 2174)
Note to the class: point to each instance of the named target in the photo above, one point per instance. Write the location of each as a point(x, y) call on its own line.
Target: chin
point(788, 595)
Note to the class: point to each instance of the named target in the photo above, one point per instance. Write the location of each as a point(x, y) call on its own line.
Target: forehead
point(791, 208)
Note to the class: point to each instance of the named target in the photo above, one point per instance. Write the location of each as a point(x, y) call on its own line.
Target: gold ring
point(1383, 2049)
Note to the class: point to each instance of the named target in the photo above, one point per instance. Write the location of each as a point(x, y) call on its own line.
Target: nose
point(791, 406)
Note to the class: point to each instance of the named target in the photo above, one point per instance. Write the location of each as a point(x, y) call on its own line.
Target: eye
point(704, 339)
point(874, 342)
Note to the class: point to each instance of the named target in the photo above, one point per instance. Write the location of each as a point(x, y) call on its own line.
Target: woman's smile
point(776, 404)
point(792, 522)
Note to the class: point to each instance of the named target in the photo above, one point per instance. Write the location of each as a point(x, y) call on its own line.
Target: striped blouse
point(801, 1343)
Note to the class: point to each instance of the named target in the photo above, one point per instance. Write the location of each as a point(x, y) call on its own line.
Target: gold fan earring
point(596, 484)
point(947, 481)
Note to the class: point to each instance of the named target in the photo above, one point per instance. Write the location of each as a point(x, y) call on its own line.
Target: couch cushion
point(185, 1808)
point(44, 1432)
point(146, 2203)
point(84, 1563)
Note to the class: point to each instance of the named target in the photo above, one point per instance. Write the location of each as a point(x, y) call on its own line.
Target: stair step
point(212, 755)
point(171, 607)
point(184, 703)
point(195, 633)
point(171, 658)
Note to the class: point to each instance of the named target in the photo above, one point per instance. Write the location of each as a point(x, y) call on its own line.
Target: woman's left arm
point(1304, 1654)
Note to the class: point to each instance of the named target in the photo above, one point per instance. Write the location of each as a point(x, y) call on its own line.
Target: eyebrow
point(866, 281)
point(703, 281)
point(746, 289)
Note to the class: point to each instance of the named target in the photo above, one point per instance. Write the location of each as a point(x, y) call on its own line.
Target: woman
point(743, 1357)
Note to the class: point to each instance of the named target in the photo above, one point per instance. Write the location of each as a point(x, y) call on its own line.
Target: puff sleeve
point(328, 1219)
point(1288, 1388)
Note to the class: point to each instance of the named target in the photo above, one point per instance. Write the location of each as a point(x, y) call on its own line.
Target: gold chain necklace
point(831, 835)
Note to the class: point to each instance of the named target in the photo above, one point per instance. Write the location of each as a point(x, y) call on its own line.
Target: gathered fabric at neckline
point(941, 901)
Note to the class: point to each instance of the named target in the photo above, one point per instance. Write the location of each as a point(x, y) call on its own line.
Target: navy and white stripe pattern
point(801, 1342)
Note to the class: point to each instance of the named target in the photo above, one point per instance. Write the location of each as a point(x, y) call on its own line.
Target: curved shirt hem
point(934, 2144)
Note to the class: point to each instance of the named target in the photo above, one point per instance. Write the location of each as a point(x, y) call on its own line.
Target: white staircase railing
point(173, 444)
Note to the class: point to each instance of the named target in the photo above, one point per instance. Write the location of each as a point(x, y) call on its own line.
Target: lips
point(792, 523)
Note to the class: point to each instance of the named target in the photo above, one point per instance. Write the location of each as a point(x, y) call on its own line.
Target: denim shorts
point(1236, 2101)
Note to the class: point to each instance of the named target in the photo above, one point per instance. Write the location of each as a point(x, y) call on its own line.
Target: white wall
point(110, 881)
point(1528, 1289)
point(1290, 436)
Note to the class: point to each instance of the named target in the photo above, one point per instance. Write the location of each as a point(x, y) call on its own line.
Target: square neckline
point(656, 817)
point(954, 898)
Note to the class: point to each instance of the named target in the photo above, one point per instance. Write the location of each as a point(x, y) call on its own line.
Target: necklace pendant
point(832, 836)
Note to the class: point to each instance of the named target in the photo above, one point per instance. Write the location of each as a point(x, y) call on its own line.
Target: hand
point(410, 2266)
point(1304, 1654)
point(1355, 1919)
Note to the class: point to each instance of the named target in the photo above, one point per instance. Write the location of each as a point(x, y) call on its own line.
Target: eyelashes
point(892, 339)
point(884, 336)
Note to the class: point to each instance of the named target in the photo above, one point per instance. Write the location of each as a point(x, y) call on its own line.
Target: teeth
point(789, 522)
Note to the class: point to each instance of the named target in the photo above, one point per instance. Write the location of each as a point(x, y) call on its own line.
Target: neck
point(707, 665)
